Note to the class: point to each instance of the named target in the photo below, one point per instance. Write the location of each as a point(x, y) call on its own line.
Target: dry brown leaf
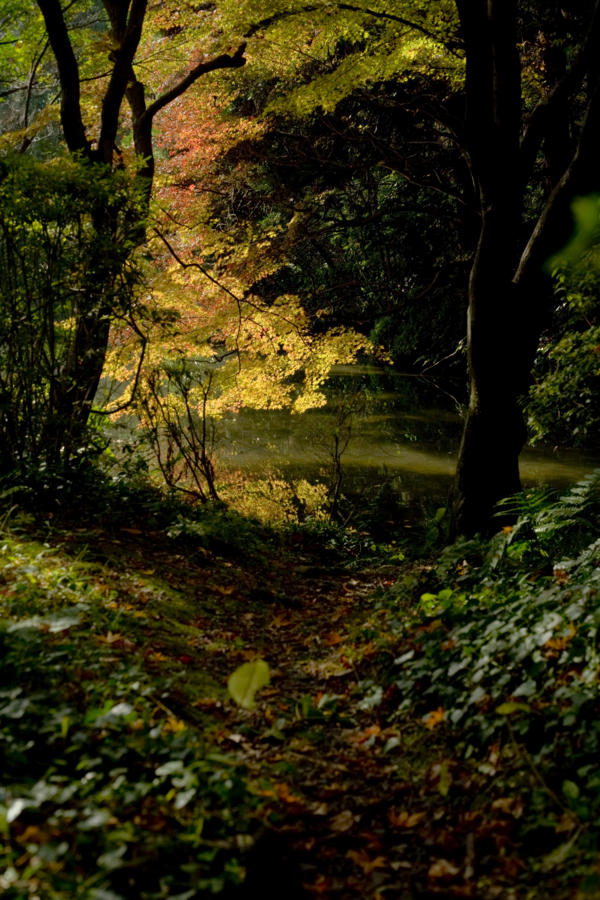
point(342, 822)
point(207, 703)
point(33, 835)
point(512, 806)
point(441, 868)
point(329, 668)
point(334, 638)
point(362, 859)
point(565, 823)
point(405, 819)
point(320, 809)
point(110, 638)
point(284, 793)
point(225, 591)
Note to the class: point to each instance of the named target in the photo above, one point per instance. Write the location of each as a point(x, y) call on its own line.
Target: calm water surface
point(407, 429)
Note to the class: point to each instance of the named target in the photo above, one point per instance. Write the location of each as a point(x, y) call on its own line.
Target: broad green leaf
point(507, 709)
point(247, 680)
point(570, 790)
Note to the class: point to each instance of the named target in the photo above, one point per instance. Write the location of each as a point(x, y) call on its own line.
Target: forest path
point(350, 804)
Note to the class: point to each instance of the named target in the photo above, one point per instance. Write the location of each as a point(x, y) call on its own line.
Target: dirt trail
point(354, 806)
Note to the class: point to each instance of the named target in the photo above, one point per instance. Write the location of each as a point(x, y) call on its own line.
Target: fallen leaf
point(110, 638)
point(441, 868)
point(284, 793)
point(207, 703)
point(330, 668)
point(511, 806)
point(33, 835)
point(225, 591)
point(565, 823)
point(132, 530)
point(342, 822)
point(320, 809)
point(334, 638)
point(363, 736)
point(362, 859)
point(405, 819)
point(434, 718)
point(563, 642)
point(247, 680)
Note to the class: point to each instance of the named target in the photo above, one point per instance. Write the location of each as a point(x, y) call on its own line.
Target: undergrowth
point(498, 648)
point(104, 791)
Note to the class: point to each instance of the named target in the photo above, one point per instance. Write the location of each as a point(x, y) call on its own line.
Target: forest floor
point(349, 801)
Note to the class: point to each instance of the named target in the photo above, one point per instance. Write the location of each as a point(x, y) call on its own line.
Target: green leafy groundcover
point(103, 792)
point(503, 652)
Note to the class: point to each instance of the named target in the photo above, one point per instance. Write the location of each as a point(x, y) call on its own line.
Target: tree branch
point(128, 40)
point(542, 116)
point(220, 62)
point(68, 73)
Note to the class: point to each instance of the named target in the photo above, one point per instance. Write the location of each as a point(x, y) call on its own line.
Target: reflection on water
point(408, 429)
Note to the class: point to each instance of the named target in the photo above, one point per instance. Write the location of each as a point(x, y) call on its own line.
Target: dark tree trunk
point(510, 297)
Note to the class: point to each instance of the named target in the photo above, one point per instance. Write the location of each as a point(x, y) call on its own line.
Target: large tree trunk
point(507, 314)
point(494, 433)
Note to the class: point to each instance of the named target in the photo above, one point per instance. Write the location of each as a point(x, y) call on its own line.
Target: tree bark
point(508, 309)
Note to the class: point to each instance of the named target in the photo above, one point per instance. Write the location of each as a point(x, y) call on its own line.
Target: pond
point(405, 429)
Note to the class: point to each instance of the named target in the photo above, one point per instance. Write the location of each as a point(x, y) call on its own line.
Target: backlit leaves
point(247, 680)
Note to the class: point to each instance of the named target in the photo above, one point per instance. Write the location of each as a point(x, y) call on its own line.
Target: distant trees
point(513, 88)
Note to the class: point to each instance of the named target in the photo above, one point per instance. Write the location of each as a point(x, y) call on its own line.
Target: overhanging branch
point(220, 62)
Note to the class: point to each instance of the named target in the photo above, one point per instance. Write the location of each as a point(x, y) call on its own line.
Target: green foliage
point(503, 645)
point(66, 271)
point(563, 403)
point(400, 40)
